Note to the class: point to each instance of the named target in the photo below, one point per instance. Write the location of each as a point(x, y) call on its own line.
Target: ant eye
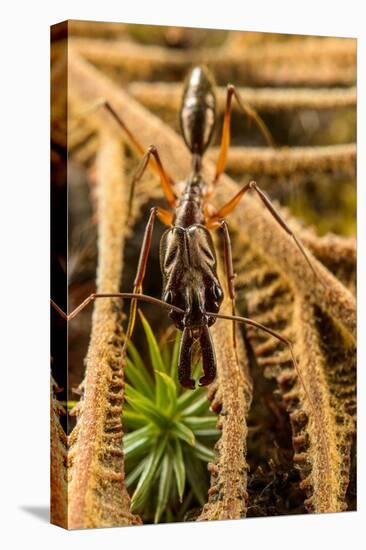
point(217, 292)
point(214, 297)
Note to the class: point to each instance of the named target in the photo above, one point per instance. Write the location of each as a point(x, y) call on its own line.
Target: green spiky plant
point(170, 434)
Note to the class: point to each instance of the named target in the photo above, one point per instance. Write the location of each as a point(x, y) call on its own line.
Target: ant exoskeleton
point(191, 289)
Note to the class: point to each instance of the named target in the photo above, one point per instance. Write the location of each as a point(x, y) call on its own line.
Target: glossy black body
point(187, 253)
point(198, 112)
point(190, 282)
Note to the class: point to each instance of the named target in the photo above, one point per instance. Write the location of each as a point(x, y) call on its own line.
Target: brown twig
point(97, 28)
point(294, 160)
point(58, 511)
point(163, 95)
point(231, 396)
point(315, 62)
point(97, 494)
point(322, 417)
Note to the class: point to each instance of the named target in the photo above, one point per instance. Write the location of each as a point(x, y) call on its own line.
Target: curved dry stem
point(328, 454)
point(97, 494)
point(321, 440)
point(231, 395)
point(163, 95)
point(295, 160)
point(338, 254)
point(58, 511)
point(97, 28)
point(316, 61)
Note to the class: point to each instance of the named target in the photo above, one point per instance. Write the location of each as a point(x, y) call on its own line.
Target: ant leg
point(164, 178)
point(141, 266)
point(165, 217)
point(225, 136)
point(255, 324)
point(214, 219)
point(101, 102)
point(166, 181)
point(122, 295)
point(229, 270)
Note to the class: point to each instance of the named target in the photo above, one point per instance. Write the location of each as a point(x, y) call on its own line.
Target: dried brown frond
point(321, 402)
point(166, 95)
point(316, 62)
point(97, 494)
point(338, 254)
point(58, 511)
point(295, 160)
point(231, 396)
point(101, 29)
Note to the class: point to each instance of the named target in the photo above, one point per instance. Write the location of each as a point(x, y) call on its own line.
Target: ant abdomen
point(198, 110)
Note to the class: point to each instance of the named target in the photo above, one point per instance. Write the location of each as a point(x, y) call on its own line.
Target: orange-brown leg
point(214, 220)
point(225, 137)
point(166, 181)
point(164, 178)
point(122, 295)
point(163, 215)
point(229, 270)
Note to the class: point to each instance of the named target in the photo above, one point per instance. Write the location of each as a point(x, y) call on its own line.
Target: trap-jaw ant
point(192, 292)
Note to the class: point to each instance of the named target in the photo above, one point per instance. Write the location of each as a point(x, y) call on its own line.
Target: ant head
point(188, 265)
point(195, 300)
point(198, 110)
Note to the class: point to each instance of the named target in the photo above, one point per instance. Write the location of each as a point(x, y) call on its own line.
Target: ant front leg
point(229, 267)
point(225, 136)
point(166, 218)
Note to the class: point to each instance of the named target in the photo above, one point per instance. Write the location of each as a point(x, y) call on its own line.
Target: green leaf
point(69, 404)
point(212, 433)
point(132, 419)
point(164, 486)
point(165, 354)
point(182, 432)
point(188, 397)
point(145, 406)
point(203, 453)
point(136, 435)
point(200, 422)
point(137, 443)
point(139, 378)
point(138, 450)
point(179, 468)
point(136, 357)
point(175, 355)
point(135, 473)
point(197, 407)
point(166, 393)
point(197, 477)
point(155, 355)
point(144, 485)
